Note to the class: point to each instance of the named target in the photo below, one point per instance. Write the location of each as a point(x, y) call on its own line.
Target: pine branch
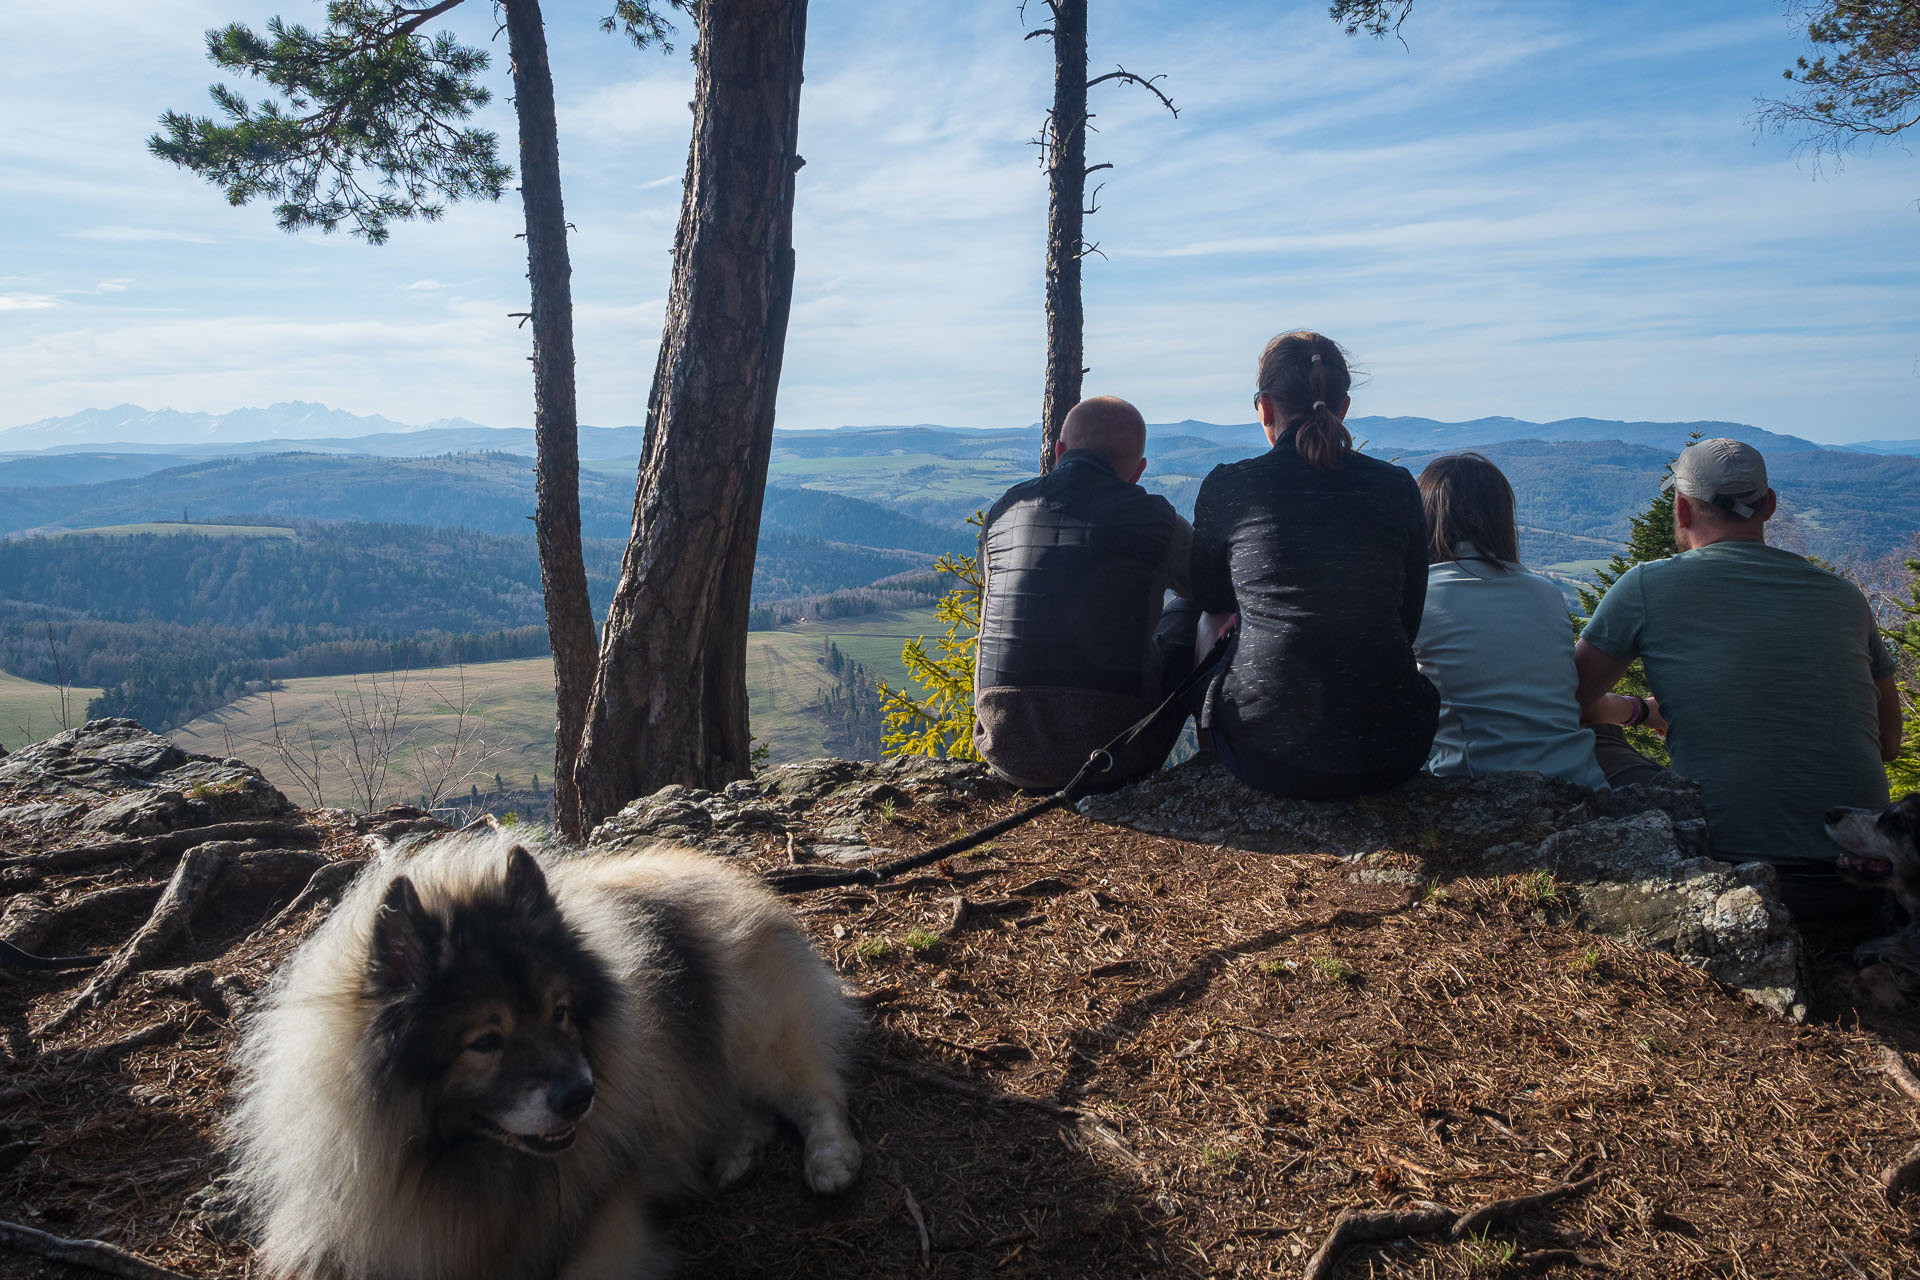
point(366, 128)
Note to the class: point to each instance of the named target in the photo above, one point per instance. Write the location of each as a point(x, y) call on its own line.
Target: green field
point(173, 527)
point(785, 679)
point(30, 711)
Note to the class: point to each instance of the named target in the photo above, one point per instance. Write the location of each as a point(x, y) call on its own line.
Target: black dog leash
point(13, 957)
point(1100, 762)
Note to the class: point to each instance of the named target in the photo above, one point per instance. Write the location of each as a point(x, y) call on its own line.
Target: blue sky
point(1540, 208)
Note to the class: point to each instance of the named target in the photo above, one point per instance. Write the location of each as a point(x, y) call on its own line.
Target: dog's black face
point(489, 1013)
point(1880, 848)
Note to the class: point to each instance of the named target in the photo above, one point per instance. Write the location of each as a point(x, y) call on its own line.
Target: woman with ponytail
point(1322, 551)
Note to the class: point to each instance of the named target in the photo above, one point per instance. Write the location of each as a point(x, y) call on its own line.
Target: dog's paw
point(741, 1150)
point(832, 1164)
point(737, 1160)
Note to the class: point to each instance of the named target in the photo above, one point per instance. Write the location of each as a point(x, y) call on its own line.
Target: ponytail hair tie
point(1316, 357)
point(1319, 404)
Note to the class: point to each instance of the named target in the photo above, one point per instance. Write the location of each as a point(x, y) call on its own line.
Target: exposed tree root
point(31, 926)
point(91, 1255)
point(1371, 1226)
point(1902, 1176)
point(218, 994)
point(325, 886)
point(268, 868)
point(188, 888)
point(200, 868)
point(1895, 1068)
point(1484, 1216)
point(1424, 1218)
point(29, 868)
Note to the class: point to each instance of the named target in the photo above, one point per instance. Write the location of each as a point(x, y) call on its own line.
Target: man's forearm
point(1892, 718)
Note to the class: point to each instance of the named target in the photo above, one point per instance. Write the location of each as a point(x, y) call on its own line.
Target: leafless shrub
point(460, 754)
point(303, 761)
point(370, 715)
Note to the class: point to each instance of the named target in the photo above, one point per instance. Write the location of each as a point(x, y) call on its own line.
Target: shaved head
point(1110, 427)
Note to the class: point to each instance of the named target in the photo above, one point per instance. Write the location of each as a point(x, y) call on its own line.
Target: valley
point(298, 733)
point(180, 582)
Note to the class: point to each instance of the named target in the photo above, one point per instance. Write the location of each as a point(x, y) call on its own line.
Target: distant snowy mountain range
point(316, 428)
point(130, 425)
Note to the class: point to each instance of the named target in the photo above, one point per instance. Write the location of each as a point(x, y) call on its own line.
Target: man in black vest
point(1073, 644)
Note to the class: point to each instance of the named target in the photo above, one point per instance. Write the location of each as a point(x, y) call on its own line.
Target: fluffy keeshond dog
point(488, 1064)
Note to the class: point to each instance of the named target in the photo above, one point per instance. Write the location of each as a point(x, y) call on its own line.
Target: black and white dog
point(1880, 849)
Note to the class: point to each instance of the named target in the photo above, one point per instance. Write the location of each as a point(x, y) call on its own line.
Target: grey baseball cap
point(1730, 475)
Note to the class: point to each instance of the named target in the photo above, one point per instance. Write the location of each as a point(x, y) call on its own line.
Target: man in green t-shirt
point(1769, 672)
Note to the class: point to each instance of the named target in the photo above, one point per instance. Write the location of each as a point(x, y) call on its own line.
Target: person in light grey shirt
point(1496, 639)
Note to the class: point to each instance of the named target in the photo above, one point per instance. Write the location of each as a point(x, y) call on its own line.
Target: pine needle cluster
point(1650, 537)
point(938, 721)
point(1903, 772)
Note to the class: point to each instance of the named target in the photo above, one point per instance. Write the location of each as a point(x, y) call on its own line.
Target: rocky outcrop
point(115, 778)
point(1636, 878)
point(839, 797)
point(1629, 863)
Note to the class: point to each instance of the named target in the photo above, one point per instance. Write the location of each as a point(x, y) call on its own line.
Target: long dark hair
point(1305, 375)
point(1467, 499)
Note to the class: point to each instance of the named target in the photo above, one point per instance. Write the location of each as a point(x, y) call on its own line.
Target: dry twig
point(90, 1255)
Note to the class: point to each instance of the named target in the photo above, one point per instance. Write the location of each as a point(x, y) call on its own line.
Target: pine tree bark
point(1066, 196)
point(670, 699)
point(556, 520)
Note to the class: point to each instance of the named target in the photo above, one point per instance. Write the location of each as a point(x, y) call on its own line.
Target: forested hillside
point(173, 623)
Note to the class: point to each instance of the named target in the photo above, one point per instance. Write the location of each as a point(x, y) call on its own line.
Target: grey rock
point(850, 855)
point(1679, 798)
point(840, 796)
point(1632, 863)
point(1202, 802)
point(1630, 878)
point(114, 778)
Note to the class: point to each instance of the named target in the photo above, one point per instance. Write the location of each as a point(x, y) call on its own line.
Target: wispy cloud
point(1543, 210)
point(138, 235)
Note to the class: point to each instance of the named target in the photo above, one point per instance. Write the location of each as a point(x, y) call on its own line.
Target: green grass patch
point(30, 711)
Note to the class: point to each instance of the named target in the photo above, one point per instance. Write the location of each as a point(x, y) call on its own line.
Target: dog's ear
point(406, 941)
point(527, 894)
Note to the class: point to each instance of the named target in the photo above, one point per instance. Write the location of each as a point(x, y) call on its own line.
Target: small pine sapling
point(939, 721)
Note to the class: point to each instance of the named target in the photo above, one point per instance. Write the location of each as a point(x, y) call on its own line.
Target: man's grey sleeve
point(1880, 660)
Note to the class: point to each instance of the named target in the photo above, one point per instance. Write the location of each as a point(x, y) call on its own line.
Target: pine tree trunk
point(556, 519)
point(670, 700)
point(1066, 194)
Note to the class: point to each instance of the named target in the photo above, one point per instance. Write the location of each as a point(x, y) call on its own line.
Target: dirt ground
point(1136, 1056)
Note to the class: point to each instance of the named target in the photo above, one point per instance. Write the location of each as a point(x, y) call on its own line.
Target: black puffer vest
point(1076, 574)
